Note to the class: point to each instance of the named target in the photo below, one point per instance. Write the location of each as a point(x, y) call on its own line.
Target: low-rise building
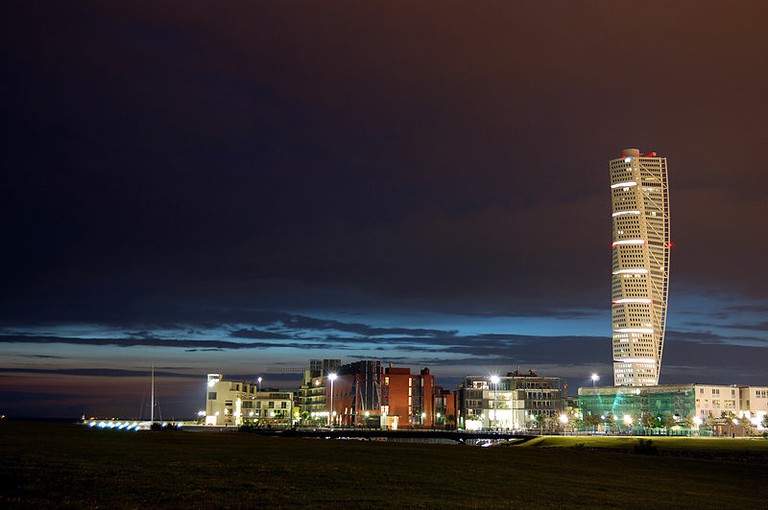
point(689, 403)
point(446, 407)
point(312, 396)
point(365, 394)
point(236, 403)
point(408, 399)
point(516, 401)
point(355, 394)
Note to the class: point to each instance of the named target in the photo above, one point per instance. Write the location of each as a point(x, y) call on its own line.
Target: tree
point(745, 422)
point(765, 421)
point(591, 420)
point(648, 420)
point(575, 421)
point(689, 423)
point(668, 421)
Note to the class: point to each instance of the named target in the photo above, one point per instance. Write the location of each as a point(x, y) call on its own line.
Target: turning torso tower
point(640, 210)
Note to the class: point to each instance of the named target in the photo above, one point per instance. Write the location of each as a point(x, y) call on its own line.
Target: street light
point(627, 420)
point(595, 378)
point(698, 421)
point(259, 383)
point(331, 377)
point(495, 382)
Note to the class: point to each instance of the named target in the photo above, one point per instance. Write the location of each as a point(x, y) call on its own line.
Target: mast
point(152, 402)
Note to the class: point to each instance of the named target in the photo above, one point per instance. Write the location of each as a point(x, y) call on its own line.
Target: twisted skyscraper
point(640, 207)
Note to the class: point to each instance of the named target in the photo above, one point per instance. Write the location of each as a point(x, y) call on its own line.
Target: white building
point(516, 401)
point(235, 403)
point(640, 268)
point(714, 400)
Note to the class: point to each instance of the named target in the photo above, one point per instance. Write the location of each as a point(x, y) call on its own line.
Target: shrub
point(646, 447)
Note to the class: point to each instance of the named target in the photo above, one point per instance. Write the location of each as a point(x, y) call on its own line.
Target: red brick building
point(409, 397)
point(367, 394)
point(446, 406)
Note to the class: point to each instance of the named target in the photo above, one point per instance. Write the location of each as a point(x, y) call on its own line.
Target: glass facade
point(667, 400)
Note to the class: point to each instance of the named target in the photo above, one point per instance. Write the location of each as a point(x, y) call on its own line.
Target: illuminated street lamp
point(259, 383)
point(627, 420)
point(564, 420)
point(495, 382)
point(595, 378)
point(331, 377)
point(698, 421)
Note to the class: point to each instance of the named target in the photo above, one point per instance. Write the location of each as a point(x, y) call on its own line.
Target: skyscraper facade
point(640, 267)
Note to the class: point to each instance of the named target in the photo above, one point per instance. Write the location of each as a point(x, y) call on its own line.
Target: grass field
point(68, 466)
point(669, 444)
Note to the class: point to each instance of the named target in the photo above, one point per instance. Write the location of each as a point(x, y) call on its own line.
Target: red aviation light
point(671, 245)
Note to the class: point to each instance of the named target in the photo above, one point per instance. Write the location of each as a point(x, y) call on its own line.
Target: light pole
point(495, 382)
point(595, 378)
point(331, 377)
point(259, 383)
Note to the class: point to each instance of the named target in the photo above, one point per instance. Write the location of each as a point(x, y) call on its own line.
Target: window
point(283, 405)
point(271, 404)
point(211, 395)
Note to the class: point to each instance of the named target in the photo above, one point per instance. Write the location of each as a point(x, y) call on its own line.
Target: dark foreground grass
point(69, 466)
point(757, 446)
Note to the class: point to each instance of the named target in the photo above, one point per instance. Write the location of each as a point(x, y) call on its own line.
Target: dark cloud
point(257, 334)
point(154, 342)
point(710, 337)
point(187, 156)
point(93, 372)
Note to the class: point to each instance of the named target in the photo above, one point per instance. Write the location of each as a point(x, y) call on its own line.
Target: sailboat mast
point(152, 404)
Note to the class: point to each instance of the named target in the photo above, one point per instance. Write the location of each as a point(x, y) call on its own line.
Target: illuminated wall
point(236, 403)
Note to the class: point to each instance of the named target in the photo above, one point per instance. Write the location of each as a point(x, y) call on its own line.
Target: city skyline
point(238, 190)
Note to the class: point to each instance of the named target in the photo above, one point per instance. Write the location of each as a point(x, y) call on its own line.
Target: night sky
point(240, 187)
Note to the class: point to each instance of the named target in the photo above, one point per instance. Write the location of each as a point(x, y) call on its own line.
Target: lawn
point(68, 466)
point(669, 444)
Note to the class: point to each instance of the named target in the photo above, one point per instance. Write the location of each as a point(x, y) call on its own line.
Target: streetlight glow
point(495, 381)
point(331, 377)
